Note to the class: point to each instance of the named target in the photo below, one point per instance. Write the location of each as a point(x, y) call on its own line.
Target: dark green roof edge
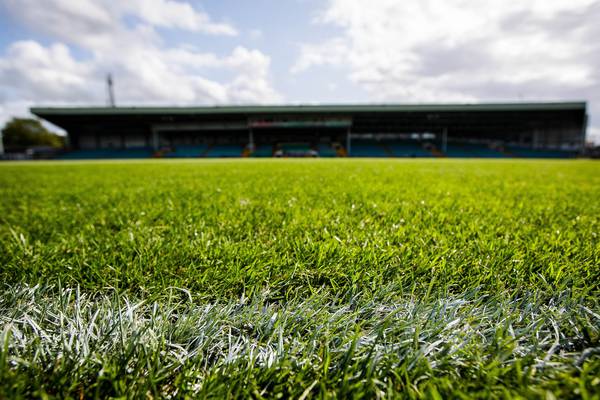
point(340, 108)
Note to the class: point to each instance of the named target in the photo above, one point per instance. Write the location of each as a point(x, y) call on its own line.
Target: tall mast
point(111, 94)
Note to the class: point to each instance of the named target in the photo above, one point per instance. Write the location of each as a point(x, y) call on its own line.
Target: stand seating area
point(359, 148)
point(224, 150)
point(263, 150)
point(408, 149)
point(92, 154)
point(516, 151)
point(472, 150)
point(326, 150)
point(186, 151)
point(296, 150)
point(374, 148)
point(367, 148)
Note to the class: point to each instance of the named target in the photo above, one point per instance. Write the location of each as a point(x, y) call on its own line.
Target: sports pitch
point(300, 278)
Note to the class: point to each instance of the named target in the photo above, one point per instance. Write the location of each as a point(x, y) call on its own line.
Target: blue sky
point(58, 52)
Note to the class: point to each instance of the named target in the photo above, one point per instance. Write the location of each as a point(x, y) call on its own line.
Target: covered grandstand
point(434, 130)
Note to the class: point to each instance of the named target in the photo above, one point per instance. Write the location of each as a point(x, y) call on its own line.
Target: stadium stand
point(407, 149)
point(295, 146)
point(472, 150)
point(483, 150)
point(516, 151)
point(295, 150)
point(185, 151)
point(263, 150)
point(367, 148)
point(143, 152)
point(490, 130)
point(224, 150)
point(325, 150)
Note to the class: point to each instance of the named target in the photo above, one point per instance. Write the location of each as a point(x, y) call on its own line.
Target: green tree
point(21, 133)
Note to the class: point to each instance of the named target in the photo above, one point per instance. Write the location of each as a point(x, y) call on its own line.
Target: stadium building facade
point(442, 130)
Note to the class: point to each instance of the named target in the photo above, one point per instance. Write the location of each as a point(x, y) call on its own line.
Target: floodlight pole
point(1, 144)
point(111, 94)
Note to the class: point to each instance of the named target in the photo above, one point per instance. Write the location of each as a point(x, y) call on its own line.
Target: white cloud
point(93, 20)
point(391, 43)
point(461, 50)
point(145, 70)
point(331, 52)
point(35, 71)
point(143, 74)
point(174, 14)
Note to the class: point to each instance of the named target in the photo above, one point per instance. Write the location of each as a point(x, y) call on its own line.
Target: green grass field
point(300, 278)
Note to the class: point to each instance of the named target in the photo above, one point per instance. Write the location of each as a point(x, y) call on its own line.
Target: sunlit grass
point(343, 278)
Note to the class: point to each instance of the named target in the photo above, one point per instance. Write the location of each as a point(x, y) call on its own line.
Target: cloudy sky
point(58, 52)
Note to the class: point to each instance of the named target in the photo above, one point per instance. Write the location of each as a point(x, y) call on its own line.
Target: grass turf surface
point(411, 278)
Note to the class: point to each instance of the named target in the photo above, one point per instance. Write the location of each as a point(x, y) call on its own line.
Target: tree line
point(20, 134)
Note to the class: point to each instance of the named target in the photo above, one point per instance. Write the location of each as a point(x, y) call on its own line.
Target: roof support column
point(445, 140)
point(535, 142)
point(250, 140)
point(155, 142)
point(348, 142)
